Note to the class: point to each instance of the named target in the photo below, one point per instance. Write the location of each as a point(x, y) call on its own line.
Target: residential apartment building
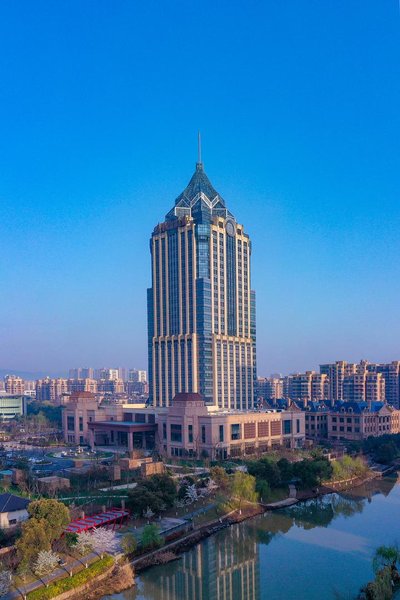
point(82, 385)
point(111, 386)
point(107, 374)
point(201, 309)
point(336, 372)
point(364, 386)
point(81, 373)
point(14, 385)
point(306, 386)
point(137, 376)
point(391, 374)
point(50, 390)
point(269, 388)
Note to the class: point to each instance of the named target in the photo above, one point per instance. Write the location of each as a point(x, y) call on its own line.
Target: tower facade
point(201, 309)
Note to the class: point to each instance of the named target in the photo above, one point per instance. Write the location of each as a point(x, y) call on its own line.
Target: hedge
point(69, 583)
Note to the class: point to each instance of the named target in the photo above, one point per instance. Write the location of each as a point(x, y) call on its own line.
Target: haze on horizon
point(298, 104)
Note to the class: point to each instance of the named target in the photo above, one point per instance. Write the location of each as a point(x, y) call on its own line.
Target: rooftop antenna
point(199, 148)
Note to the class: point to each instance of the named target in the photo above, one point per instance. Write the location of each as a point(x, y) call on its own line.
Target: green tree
point(129, 543)
point(54, 513)
point(386, 453)
point(243, 488)
point(286, 469)
point(220, 476)
point(385, 556)
point(267, 469)
point(151, 537)
point(263, 490)
point(33, 540)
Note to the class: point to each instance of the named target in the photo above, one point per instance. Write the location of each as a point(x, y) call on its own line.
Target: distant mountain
point(29, 375)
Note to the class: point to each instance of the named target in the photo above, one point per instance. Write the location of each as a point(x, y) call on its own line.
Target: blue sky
point(299, 107)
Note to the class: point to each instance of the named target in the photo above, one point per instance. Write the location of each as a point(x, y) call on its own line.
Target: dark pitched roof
point(358, 407)
point(11, 503)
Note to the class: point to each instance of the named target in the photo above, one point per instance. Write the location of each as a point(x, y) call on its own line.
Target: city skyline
point(100, 133)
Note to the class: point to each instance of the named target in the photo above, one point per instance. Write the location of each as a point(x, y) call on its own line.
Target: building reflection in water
point(226, 566)
point(223, 567)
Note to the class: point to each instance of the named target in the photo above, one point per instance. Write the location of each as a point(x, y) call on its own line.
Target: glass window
point(80, 423)
point(164, 429)
point(287, 426)
point(235, 431)
point(221, 433)
point(71, 423)
point(190, 434)
point(176, 433)
point(203, 434)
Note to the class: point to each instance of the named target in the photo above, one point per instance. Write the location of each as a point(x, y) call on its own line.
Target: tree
point(262, 488)
point(220, 476)
point(129, 543)
point(285, 468)
point(148, 513)
point(104, 540)
point(54, 513)
point(191, 493)
point(45, 563)
point(5, 581)
point(386, 453)
point(244, 488)
point(151, 537)
point(267, 469)
point(34, 538)
point(84, 543)
point(385, 556)
point(140, 498)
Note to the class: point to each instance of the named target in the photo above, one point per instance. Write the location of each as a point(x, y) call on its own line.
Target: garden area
point(42, 552)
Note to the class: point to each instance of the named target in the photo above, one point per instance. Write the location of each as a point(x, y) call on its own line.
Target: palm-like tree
point(386, 556)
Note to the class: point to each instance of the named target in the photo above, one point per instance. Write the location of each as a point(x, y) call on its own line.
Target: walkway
point(73, 567)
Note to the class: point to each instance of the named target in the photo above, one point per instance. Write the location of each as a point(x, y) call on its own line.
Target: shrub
point(70, 583)
point(151, 537)
point(129, 543)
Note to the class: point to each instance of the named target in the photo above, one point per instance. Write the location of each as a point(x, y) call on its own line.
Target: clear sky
point(298, 102)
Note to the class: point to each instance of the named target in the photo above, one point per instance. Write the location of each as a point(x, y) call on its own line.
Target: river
point(320, 549)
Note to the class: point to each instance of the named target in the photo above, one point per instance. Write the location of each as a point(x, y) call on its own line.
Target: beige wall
point(18, 515)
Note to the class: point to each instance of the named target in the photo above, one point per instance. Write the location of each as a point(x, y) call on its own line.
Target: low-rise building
point(13, 510)
point(356, 421)
point(190, 428)
point(187, 428)
point(316, 420)
point(12, 407)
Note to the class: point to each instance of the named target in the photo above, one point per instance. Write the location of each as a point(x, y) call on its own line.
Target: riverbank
point(173, 550)
point(277, 553)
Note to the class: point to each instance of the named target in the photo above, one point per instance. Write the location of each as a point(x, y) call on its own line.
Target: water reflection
point(227, 565)
point(223, 567)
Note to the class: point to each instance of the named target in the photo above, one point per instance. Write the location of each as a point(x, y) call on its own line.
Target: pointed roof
point(199, 184)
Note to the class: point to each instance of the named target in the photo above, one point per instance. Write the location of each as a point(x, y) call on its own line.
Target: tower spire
point(199, 163)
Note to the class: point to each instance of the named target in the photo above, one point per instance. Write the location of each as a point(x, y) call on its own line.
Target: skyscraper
point(201, 309)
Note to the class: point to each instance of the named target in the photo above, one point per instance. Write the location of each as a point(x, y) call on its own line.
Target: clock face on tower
point(230, 228)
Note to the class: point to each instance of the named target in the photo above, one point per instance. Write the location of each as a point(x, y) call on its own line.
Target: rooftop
point(11, 503)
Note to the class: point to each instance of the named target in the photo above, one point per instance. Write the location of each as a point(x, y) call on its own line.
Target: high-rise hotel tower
point(201, 310)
